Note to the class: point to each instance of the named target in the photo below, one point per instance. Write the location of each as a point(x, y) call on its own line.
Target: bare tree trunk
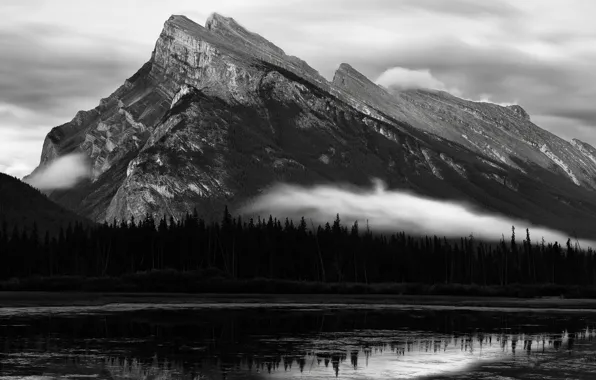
point(446, 264)
point(51, 261)
point(234, 258)
point(452, 270)
point(223, 255)
point(109, 250)
point(152, 257)
point(506, 267)
point(319, 251)
point(471, 264)
point(355, 267)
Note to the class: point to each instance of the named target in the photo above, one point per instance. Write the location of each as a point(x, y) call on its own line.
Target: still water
point(162, 342)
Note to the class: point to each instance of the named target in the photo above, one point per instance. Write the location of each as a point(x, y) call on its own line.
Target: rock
point(519, 112)
point(586, 149)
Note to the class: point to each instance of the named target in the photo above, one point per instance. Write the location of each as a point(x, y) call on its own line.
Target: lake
point(275, 341)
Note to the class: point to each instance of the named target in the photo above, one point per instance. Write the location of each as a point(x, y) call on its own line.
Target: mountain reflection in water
point(284, 343)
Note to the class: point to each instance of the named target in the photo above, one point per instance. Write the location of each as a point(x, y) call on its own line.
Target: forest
point(273, 249)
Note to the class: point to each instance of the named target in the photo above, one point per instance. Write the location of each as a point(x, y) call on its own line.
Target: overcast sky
point(61, 56)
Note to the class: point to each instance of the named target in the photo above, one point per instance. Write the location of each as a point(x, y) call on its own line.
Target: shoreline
point(24, 299)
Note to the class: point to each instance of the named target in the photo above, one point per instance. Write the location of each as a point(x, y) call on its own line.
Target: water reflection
point(280, 343)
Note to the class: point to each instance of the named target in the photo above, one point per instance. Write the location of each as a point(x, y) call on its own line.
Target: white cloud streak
point(393, 211)
point(402, 78)
point(63, 173)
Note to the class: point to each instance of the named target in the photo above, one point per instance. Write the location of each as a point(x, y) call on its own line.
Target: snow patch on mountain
point(583, 150)
point(131, 167)
point(196, 189)
point(184, 90)
point(162, 190)
point(436, 172)
point(544, 149)
point(490, 163)
point(501, 180)
point(455, 166)
point(324, 159)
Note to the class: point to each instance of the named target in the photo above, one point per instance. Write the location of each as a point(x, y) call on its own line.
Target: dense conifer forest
point(288, 250)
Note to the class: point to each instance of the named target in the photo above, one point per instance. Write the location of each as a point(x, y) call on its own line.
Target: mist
point(394, 211)
point(63, 173)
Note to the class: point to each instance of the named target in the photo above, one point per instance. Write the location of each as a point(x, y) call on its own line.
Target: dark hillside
point(23, 206)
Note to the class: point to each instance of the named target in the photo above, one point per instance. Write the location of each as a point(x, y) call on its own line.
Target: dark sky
point(58, 57)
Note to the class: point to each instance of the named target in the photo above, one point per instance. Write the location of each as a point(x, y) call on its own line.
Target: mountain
point(219, 113)
point(23, 206)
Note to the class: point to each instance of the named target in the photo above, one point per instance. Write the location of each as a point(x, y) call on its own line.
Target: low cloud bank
point(402, 78)
point(393, 211)
point(63, 173)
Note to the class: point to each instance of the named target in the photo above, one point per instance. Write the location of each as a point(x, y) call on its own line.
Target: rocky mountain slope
point(23, 206)
point(219, 113)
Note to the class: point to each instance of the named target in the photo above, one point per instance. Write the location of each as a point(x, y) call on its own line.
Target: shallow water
point(147, 341)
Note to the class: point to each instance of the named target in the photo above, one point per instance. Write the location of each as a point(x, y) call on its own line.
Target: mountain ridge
point(274, 118)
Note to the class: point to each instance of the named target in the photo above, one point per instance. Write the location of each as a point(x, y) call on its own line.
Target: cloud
point(49, 68)
point(19, 147)
point(460, 8)
point(402, 78)
point(58, 60)
point(48, 73)
point(63, 173)
point(392, 211)
point(15, 168)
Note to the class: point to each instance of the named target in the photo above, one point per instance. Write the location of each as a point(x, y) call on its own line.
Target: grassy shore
point(82, 299)
point(209, 282)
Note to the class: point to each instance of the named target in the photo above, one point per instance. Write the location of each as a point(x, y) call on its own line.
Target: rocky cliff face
point(219, 113)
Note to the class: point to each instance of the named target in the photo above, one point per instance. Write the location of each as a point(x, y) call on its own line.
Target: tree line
point(283, 249)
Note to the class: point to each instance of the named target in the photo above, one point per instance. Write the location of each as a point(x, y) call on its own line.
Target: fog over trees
point(290, 250)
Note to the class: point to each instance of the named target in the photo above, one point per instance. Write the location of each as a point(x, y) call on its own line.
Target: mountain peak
point(345, 67)
point(519, 112)
point(216, 17)
point(186, 26)
point(235, 40)
point(346, 70)
point(354, 82)
point(182, 22)
point(578, 143)
point(236, 34)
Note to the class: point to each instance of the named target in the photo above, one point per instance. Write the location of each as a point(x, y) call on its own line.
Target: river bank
point(56, 299)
